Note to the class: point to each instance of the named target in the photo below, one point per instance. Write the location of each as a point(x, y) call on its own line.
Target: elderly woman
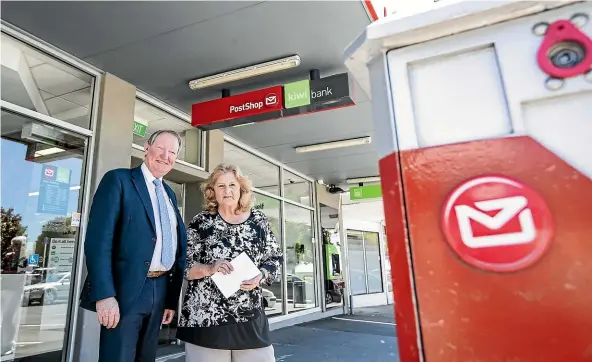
point(216, 328)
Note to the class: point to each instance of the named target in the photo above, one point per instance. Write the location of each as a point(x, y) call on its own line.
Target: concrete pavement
point(368, 335)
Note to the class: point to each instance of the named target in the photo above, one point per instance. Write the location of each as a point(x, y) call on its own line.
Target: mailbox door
point(488, 198)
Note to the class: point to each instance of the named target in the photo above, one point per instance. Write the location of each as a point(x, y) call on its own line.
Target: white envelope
point(270, 100)
point(509, 207)
point(244, 269)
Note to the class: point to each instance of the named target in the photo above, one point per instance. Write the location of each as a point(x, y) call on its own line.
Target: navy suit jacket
point(120, 241)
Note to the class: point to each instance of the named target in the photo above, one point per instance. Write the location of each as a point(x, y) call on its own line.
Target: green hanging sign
point(365, 192)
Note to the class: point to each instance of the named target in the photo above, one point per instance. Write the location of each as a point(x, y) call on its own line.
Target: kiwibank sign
point(317, 94)
point(266, 104)
point(297, 94)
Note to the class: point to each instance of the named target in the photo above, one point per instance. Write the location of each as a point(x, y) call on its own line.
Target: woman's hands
point(255, 282)
point(199, 271)
point(222, 266)
point(251, 284)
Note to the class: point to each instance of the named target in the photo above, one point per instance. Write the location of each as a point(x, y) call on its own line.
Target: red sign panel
point(237, 107)
point(496, 223)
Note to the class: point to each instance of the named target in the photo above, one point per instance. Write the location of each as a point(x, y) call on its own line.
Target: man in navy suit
point(135, 251)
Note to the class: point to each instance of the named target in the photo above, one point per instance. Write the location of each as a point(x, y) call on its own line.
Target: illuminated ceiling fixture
point(246, 72)
point(48, 151)
point(363, 180)
point(335, 144)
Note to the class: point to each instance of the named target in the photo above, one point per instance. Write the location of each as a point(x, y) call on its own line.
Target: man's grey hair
point(155, 135)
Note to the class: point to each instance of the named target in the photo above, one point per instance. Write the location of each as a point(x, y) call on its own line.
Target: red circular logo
point(496, 223)
point(271, 99)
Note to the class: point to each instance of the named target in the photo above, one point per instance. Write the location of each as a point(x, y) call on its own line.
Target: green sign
point(140, 129)
point(297, 94)
point(365, 192)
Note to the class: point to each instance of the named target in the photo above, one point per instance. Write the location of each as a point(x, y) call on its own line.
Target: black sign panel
point(325, 94)
point(329, 89)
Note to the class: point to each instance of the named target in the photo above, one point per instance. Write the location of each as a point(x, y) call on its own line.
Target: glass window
point(297, 189)
point(357, 272)
point(264, 175)
point(179, 190)
point(273, 294)
point(364, 262)
point(300, 258)
point(373, 267)
point(42, 179)
point(36, 81)
point(149, 119)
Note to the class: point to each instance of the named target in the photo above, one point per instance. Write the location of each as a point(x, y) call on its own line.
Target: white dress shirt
point(156, 265)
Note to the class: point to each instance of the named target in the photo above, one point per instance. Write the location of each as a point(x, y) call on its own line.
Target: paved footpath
point(368, 336)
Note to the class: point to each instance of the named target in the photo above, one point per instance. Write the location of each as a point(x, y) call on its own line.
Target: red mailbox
point(483, 118)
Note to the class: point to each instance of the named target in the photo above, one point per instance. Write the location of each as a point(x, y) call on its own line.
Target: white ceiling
point(173, 42)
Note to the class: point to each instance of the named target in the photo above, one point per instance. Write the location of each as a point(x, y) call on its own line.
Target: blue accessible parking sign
point(33, 259)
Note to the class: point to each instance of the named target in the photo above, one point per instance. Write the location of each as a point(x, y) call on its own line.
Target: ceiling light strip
point(246, 72)
point(335, 144)
point(358, 180)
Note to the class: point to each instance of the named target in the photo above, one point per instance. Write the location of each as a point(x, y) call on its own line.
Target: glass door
point(42, 174)
point(365, 266)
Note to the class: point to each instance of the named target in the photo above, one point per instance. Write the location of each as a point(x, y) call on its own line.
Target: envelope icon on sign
point(270, 100)
point(509, 208)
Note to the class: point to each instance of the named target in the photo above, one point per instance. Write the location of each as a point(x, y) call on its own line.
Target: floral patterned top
point(209, 238)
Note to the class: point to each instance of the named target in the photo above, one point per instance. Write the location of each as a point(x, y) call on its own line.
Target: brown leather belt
point(156, 274)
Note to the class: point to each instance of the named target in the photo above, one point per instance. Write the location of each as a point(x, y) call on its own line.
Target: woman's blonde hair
point(246, 196)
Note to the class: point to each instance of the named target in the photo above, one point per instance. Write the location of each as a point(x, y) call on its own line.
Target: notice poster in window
point(54, 190)
point(61, 255)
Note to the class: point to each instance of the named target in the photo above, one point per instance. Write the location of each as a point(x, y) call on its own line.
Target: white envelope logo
point(270, 100)
point(509, 207)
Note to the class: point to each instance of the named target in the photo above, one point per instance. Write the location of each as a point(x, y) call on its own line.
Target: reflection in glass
point(43, 84)
point(300, 258)
point(42, 172)
point(272, 294)
point(263, 174)
point(149, 119)
point(297, 189)
point(179, 190)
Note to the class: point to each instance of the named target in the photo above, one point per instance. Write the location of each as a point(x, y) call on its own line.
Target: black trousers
point(135, 339)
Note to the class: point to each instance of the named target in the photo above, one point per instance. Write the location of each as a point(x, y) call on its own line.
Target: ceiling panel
point(56, 81)
point(84, 28)
point(286, 153)
point(339, 177)
point(258, 33)
point(81, 97)
point(58, 105)
point(336, 163)
point(349, 122)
